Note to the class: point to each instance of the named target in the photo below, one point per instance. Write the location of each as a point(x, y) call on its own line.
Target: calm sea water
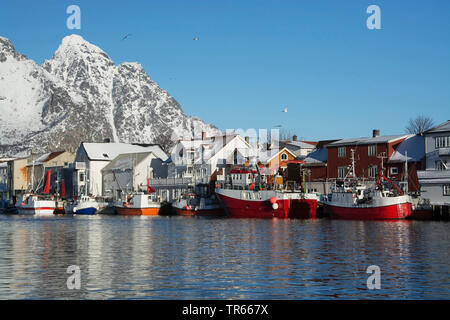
point(201, 258)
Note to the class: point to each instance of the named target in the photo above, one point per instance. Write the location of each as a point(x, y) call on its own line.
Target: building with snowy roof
point(91, 158)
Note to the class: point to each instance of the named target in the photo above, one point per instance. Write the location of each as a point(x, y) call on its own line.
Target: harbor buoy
point(275, 206)
point(273, 200)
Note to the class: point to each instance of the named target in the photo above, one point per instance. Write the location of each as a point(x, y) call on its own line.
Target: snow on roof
point(414, 146)
point(108, 151)
point(440, 128)
point(3, 164)
point(317, 156)
point(371, 140)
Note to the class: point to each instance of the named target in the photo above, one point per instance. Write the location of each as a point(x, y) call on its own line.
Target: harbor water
point(208, 258)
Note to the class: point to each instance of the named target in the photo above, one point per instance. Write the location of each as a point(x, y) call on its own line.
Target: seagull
point(285, 109)
point(126, 37)
point(195, 39)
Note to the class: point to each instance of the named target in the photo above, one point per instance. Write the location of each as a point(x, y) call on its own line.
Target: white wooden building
point(91, 158)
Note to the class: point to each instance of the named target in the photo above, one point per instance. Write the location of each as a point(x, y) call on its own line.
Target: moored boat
point(36, 204)
point(242, 199)
point(197, 205)
point(84, 205)
point(353, 200)
point(138, 204)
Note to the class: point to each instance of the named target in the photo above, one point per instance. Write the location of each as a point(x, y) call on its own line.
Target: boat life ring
point(125, 204)
point(275, 206)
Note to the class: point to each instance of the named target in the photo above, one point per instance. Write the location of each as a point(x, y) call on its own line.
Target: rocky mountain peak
point(81, 95)
point(8, 50)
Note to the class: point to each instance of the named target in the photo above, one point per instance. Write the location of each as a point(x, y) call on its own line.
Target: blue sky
point(338, 78)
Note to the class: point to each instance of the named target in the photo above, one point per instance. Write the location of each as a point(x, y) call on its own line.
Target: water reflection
point(204, 258)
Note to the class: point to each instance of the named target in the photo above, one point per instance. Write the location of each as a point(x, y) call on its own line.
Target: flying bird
point(285, 109)
point(126, 37)
point(195, 39)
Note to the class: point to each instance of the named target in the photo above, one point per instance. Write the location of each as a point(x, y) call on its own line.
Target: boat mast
point(352, 158)
point(32, 177)
point(406, 172)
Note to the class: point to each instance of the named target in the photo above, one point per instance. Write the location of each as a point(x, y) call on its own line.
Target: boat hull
point(287, 208)
point(42, 211)
point(124, 211)
point(206, 212)
point(86, 211)
point(390, 212)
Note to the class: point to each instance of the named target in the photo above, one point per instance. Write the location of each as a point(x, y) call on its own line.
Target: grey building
point(435, 179)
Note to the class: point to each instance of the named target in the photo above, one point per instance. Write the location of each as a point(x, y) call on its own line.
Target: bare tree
point(165, 141)
point(419, 124)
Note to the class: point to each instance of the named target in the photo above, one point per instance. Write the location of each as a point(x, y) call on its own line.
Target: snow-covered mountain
point(81, 95)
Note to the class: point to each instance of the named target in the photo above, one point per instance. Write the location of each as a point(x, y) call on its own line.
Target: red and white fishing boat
point(241, 199)
point(356, 201)
point(36, 204)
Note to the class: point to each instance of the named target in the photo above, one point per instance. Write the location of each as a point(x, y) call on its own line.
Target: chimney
point(107, 140)
point(375, 133)
point(203, 135)
point(294, 138)
point(247, 139)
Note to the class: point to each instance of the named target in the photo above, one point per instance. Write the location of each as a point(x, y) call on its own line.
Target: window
point(394, 170)
point(372, 171)
point(284, 156)
point(446, 188)
point(442, 142)
point(341, 152)
point(81, 177)
point(342, 171)
point(441, 165)
point(372, 150)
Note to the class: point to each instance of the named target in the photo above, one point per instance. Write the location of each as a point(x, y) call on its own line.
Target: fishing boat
point(84, 205)
point(192, 204)
point(243, 199)
point(37, 204)
point(138, 204)
point(354, 200)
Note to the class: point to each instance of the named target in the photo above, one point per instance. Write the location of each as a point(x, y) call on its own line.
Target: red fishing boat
point(353, 200)
point(243, 199)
